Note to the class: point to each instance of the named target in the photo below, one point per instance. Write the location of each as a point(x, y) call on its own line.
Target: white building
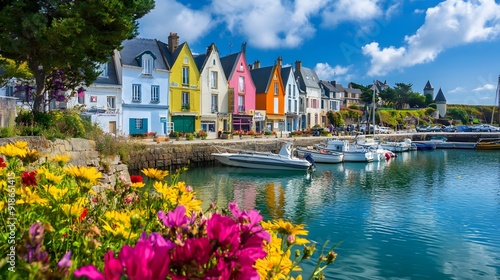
point(308, 82)
point(291, 99)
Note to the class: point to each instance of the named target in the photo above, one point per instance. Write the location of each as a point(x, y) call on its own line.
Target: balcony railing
point(241, 109)
point(185, 107)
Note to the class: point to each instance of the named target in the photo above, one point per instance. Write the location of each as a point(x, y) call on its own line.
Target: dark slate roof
point(428, 86)
point(167, 57)
point(228, 63)
point(285, 74)
point(440, 96)
point(309, 78)
point(176, 52)
point(112, 78)
point(328, 86)
point(135, 47)
point(339, 87)
point(261, 78)
point(199, 60)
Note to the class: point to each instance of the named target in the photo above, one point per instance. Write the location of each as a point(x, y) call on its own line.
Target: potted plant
point(202, 134)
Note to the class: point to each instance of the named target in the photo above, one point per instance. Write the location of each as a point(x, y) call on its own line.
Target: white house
point(308, 82)
point(291, 99)
point(214, 91)
point(145, 79)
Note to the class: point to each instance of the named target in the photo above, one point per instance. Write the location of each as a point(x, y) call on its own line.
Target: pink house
point(241, 92)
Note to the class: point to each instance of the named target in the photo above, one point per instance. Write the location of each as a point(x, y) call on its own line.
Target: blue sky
point(455, 44)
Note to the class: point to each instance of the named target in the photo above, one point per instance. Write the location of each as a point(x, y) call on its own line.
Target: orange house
point(270, 96)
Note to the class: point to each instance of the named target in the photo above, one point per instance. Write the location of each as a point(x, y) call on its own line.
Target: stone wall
point(82, 152)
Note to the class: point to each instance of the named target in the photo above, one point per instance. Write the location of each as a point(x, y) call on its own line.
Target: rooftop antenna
point(497, 102)
point(230, 48)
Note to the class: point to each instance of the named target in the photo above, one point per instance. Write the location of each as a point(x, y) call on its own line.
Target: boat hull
point(322, 157)
point(269, 162)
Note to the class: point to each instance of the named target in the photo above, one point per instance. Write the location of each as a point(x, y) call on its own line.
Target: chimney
point(173, 41)
point(298, 64)
point(279, 62)
point(256, 64)
point(333, 83)
point(244, 47)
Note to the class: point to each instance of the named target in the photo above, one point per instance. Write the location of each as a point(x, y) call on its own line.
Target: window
point(289, 105)
point(138, 124)
point(241, 84)
point(103, 70)
point(9, 91)
point(322, 104)
point(185, 75)
point(185, 101)
point(294, 91)
point(208, 126)
point(214, 107)
point(136, 93)
point(111, 100)
point(241, 103)
point(155, 93)
point(213, 79)
point(275, 88)
point(147, 65)
point(241, 67)
point(289, 91)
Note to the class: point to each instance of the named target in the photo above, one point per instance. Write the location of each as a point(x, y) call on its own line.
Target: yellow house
point(185, 95)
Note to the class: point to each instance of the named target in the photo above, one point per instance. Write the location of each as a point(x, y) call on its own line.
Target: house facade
point(241, 91)
point(214, 93)
point(270, 95)
point(330, 100)
point(185, 98)
point(308, 82)
point(291, 99)
point(145, 92)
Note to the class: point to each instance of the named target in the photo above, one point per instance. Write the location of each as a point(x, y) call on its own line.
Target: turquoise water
point(423, 215)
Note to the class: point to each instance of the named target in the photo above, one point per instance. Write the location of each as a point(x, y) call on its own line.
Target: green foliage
point(107, 144)
point(433, 105)
point(335, 118)
point(457, 113)
point(72, 36)
point(6, 132)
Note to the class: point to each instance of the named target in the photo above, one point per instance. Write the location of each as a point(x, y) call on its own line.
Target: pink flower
point(175, 218)
point(113, 269)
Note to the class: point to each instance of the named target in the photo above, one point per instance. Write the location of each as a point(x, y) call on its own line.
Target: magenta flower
point(65, 263)
point(225, 231)
point(175, 218)
point(113, 269)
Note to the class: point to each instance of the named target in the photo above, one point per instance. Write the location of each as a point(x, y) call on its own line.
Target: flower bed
point(67, 225)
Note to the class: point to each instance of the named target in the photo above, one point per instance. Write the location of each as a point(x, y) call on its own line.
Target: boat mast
point(497, 103)
point(373, 105)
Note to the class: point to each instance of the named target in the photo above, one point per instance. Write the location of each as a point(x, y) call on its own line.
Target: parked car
point(436, 128)
point(486, 128)
point(423, 128)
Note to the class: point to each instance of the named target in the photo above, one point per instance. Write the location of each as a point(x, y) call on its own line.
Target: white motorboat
point(397, 147)
point(321, 155)
point(284, 160)
point(358, 154)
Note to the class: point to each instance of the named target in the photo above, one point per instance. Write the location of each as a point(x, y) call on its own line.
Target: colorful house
point(308, 83)
point(241, 90)
point(291, 99)
point(270, 95)
point(185, 99)
point(214, 97)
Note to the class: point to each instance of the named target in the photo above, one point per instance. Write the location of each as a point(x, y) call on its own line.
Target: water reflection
point(423, 215)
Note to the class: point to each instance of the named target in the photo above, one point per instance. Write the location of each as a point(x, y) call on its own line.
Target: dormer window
point(103, 70)
point(186, 60)
point(147, 64)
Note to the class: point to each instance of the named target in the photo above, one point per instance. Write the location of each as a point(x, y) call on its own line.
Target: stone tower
point(440, 101)
point(428, 92)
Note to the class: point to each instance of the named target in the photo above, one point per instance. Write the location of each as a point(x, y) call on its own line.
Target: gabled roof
point(285, 73)
point(176, 52)
point(440, 96)
point(339, 87)
point(229, 63)
point(309, 78)
point(261, 78)
point(328, 86)
point(199, 60)
point(428, 86)
point(133, 48)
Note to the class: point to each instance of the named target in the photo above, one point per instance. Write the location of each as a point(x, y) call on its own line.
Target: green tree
point(388, 97)
point(335, 118)
point(69, 36)
point(416, 99)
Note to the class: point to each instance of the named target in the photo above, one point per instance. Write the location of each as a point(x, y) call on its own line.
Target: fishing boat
point(321, 155)
point(284, 160)
point(350, 153)
point(488, 144)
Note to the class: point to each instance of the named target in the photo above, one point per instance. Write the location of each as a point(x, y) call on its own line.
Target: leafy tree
point(69, 36)
point(416, 99)
point(335, 118)
point(366, 93)
point(457, 113)
point(12, 69)
point(388, 97)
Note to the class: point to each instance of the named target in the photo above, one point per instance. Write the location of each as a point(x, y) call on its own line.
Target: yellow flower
point(161, 188)
point(61, 159)
point(75, 209)
point(31, 156)
point(2, 204)
point(154, 173)
point(118, 223)
point(284, 227)
point(21, 144)
point(12, 150)
point(55, 192)
point(53, 178)
point(84, 175)
point(137, 185)
point(29, 196)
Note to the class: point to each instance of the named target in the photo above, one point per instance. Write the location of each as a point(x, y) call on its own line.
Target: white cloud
point(171, 16)
point(457, 89)
point(345, 10)
point(327, 73)
point(486, 87)
point(449, 24)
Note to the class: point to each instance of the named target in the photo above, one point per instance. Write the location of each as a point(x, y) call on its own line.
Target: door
point(183, 123)
point(112, 127)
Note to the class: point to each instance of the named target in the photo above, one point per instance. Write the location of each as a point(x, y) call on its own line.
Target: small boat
point(424, 146)
point(321, 155)
point(350, 154)
point(397, 147)
point(488, 144)
point(443, 143)
point(284, 160)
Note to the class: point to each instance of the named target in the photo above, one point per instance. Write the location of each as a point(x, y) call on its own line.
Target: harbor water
point(422, 215)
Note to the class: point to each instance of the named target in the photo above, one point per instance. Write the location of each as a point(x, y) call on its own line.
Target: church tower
point(428, 93)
